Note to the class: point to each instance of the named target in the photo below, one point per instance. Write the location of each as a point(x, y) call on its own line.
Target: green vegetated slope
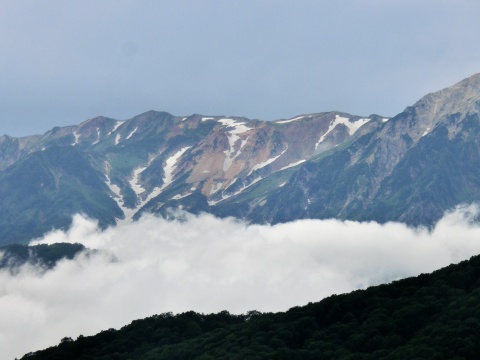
point(44, 256)
point(432, 316)
point(46, 189)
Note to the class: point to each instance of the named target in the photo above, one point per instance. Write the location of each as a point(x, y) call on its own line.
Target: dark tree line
point(431, 316)
point(43, 255)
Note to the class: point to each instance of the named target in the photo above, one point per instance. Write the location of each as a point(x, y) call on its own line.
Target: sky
point(208, 264)
point(65, 62)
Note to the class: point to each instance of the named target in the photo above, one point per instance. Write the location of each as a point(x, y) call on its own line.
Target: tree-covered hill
point(431, 316)
point(44, 256)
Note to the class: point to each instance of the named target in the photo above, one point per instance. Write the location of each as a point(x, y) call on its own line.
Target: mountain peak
point(475, 78)
point(462, 99)
point(467, 88)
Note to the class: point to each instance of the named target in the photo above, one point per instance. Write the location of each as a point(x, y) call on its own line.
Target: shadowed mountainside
point(431, 316)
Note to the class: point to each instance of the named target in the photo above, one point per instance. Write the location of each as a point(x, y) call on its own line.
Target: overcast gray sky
point(66, 61)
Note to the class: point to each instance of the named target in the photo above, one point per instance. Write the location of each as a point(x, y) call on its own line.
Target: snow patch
point(117, 125)
point(232, 182)
point(228, 122)
point(98, 137)
point(207, 118)
point(267, 162)
point(233, 136)
point(117, 139)
point(385, 119)
point(290, 120)
point(292, 165)
point(215, 188)
point(225, 197)
point(77, 138)
point(115, 189)
point(134, 182)
point(242, 145)
point(131, 134)
point(139, 190)
point(426, 132)
point(128, 213)
point(352, 126)
point(178, 196)
point(239, 128)
point(170, 166)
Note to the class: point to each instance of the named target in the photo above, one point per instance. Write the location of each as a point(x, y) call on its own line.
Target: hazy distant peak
point(460, 99)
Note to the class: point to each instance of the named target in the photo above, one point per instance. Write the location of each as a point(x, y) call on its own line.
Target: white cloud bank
point(208, 264)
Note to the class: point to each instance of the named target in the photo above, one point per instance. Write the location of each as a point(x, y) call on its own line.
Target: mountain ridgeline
point(410, 168)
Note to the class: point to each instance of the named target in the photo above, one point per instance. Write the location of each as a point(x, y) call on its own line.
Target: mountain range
point(410, 168)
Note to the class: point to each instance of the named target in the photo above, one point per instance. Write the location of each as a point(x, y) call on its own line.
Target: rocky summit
point(410, 168)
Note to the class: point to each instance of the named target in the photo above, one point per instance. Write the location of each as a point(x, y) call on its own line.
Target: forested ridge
point(43, 256)
point(431, 316)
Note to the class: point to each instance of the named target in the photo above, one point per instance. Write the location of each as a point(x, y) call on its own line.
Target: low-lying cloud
point(208, 264)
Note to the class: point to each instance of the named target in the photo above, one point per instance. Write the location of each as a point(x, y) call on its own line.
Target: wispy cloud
point(208, 264)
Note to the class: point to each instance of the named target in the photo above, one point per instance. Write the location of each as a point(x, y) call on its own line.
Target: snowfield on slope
point(352, 126)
